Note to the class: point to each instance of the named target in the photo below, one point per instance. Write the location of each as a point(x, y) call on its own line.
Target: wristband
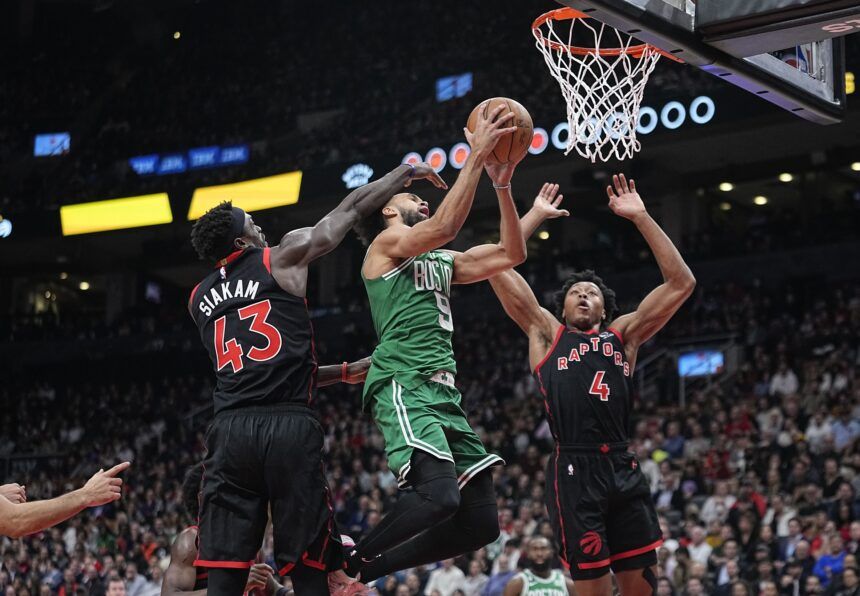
point(343, 372)
point(508, 185)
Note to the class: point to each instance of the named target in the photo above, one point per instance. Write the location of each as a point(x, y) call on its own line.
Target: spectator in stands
point(497, 582)
point(831, 563)
point(445, 580)
point(850, 584)
point(784, 382)
point(717, 506)
point(134, 582)
point(700, 550)
point(116, 587)
point(476, 580)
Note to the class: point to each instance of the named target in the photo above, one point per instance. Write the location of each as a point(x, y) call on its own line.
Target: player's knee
point(443, 496)
point(486, 526)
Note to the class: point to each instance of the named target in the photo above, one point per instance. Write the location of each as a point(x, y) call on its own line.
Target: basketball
point(512, 146)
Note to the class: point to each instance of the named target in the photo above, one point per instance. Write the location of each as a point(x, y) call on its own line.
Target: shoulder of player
point(184, 549)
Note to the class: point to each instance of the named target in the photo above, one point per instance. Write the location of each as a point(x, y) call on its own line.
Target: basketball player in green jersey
point(539, 578)
point(450, 506)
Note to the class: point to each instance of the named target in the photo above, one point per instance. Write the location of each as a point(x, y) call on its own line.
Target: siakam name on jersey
point(226, 291)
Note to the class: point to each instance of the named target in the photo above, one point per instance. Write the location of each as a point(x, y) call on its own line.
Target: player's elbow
point(518, 254)
point(687, 283)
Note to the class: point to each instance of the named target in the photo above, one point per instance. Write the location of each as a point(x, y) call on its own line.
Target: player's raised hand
point(104, 487)
point(623, 199)
point(548, 200)
point(423, 171)
point(488, 130)
point(14, 493)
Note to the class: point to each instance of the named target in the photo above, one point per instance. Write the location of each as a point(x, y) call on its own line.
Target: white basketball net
point(603, 93)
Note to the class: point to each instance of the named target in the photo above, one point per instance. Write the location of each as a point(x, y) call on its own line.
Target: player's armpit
point(521, 305)
point(653, 313)
point(181, 575)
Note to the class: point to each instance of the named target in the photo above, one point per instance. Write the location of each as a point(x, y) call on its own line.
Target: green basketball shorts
point(428, 418)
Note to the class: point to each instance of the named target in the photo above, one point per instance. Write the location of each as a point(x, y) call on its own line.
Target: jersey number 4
point(230, 352)
point(598, 387)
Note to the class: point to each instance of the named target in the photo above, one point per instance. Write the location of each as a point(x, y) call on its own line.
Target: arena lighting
point(64, 275)
point(760, 200)
point(727, 186)
point(177, 35)
point(251, 195)
point(5, 227)
point(725, 206)
point(671, 116)
point(115, 214)
point(855, 166)
point(785, 177)
point(84, 285)
point(543, 235)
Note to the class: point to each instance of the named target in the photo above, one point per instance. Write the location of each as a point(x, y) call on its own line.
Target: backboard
point(788, 52)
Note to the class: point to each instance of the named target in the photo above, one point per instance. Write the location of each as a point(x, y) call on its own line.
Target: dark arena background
point(746, 416)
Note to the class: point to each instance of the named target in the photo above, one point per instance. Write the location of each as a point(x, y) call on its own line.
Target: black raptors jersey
point(259, 337)
point(586, 383)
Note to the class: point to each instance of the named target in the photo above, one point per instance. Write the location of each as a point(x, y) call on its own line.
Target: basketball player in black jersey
point(264, 447)
point(599, 500)
point(182, 577)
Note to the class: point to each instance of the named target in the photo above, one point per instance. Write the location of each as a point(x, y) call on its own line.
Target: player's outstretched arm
point(20, 519)
point(522, 307)
point(300, 247)
point(445, 224)
point(482, 262)
point(352, 373)
point(678, 281)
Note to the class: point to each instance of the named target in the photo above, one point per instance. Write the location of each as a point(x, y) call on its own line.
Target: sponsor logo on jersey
point(591, 543)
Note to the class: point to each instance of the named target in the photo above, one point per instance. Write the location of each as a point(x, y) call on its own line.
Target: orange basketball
point(511, 146)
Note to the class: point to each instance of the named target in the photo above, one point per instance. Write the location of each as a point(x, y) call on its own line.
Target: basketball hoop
point(602, 86)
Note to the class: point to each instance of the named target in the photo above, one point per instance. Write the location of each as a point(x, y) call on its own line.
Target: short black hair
point(191, 486)
point(370, 227)
point(609, 304)
point(210, 235)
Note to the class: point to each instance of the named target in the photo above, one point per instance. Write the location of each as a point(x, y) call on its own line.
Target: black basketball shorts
point(600, 506)
point(262, 457)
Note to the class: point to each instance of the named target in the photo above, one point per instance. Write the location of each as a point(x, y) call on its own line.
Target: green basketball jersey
point(554, 585)
point(412, 316)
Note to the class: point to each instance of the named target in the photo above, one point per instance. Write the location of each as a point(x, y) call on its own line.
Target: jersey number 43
point(229, 352)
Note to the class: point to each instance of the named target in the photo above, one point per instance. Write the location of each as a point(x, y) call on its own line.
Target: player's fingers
point(610, 193)
point(502, 119)
point(118, 468)
point(557, 201)
point(624, 186)
point(632, 185)
point(565, 212)
point(495, 113)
